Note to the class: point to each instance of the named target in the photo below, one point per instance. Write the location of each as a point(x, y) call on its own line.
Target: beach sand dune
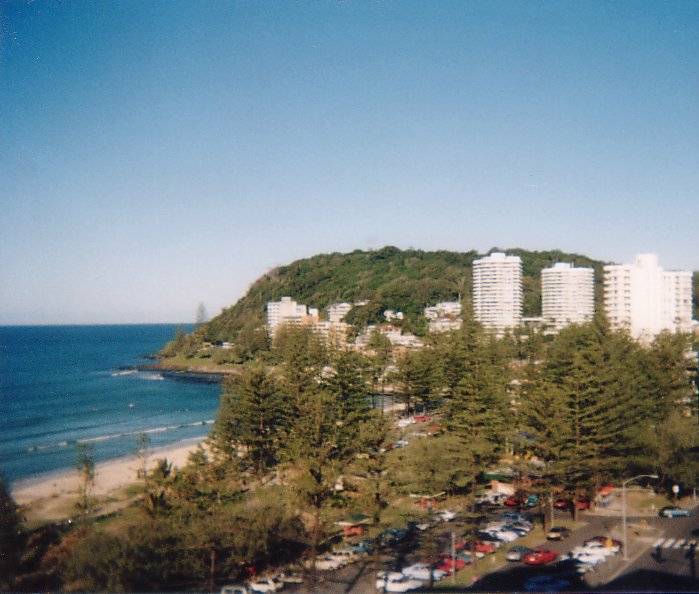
point(53, 497)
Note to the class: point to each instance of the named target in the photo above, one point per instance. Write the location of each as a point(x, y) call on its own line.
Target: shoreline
point(209, 374)
point(52, 496)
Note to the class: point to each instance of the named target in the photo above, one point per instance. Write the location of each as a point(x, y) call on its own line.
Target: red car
point(479, 547)
point(561, 504)
point(540, 556)
point(422, 418)
point(512, 501)
point(582, 504)
point(447, 564)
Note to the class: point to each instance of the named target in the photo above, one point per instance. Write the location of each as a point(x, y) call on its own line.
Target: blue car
point(672, 511)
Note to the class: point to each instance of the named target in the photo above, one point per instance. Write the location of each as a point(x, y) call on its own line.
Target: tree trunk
point(315, 537)
point(212, 570)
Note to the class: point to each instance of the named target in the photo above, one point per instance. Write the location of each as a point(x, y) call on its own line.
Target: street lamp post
point(623, 498)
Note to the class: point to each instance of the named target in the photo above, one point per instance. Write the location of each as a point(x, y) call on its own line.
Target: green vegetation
point(388, 278)
point(11, 537)
point(297, 445)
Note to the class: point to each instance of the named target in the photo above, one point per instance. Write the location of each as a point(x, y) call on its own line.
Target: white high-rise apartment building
point(283, 312)
point(497, 291)
point(567, 295)
point(645, 299)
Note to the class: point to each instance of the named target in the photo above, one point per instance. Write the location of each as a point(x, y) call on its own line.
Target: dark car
point(558, 533)
point(517, 553)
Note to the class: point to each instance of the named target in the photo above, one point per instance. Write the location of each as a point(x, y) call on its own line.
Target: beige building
point(497, 291)
point(567, 295)
point(645, 299)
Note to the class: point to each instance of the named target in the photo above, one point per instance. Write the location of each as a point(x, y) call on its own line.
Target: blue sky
point(155, 155)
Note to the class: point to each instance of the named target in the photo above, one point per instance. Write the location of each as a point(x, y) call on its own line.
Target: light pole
point(623, 498)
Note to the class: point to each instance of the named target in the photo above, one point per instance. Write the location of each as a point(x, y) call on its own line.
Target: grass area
point(131, 490)
point(646, 503)
point(182, 362)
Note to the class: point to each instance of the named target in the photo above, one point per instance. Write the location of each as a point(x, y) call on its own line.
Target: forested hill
point(388, 278)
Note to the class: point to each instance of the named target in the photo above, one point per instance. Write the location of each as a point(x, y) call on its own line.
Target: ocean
point(64, 385)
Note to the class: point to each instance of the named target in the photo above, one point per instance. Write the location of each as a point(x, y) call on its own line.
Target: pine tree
point(417, 378)
point(312, 448)
point(348, 383)
point(249, 418)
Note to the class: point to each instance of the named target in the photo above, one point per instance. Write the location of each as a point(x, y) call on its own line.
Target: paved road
point(667, 562)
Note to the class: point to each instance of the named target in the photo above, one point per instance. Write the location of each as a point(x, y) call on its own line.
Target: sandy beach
point(53, 497)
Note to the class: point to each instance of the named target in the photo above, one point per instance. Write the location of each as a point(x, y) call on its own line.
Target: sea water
point(65, 385)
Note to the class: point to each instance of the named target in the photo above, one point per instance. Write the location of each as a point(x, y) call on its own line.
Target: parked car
point(327, 563)
point(265, 585)
point(490, 538)
point(526, 526)
point(490, 498)
point(361, 546)
point(540, 556)
point(235, 589)
point(422, 418)
point(593, 550)
point(347, 555)
point(606, 541)
point(512, 501)
point(558, 533)
point(290, 577)
point(519, 530)
point(392, 581)
point(586, 557)
point(532, 501)
point(672, 511)
point(563, 504)
point(421, 526)
point(517, 553)
point(445, 515)
point(609, 545)
point(480, 548)
point(392, 536)
point(504, 535)
point(467, 557)
point(421, 571)
point(513, 516)
point(449, 564)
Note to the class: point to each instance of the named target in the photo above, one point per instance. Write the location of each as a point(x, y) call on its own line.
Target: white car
point(290, 577)
point(346, 554)
point(445, 515)
point(405, 422)
point(421, 571)
point(590, 549)
point(327, 563)
point(588, 557)
point(503, 535)
point(593, 545)
point(265, 585)
point(234, 589)
point(392, 581)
